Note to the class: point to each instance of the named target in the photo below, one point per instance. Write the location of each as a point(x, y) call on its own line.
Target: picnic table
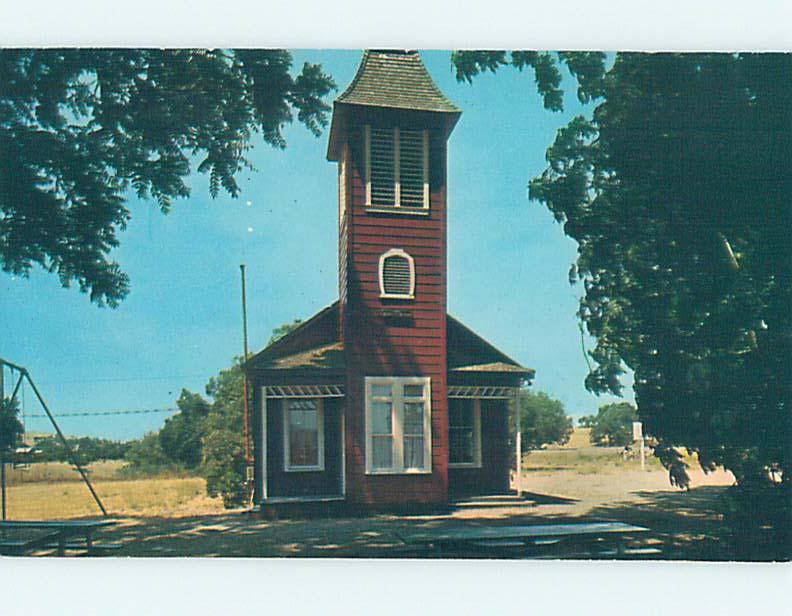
point(593, 536)
point(25, 536)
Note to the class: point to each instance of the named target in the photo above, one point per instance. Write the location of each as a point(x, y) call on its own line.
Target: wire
point(97, 413)
point(125, 379)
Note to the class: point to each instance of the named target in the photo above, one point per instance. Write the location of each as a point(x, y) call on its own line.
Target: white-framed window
point(464, 432)
point(398, 425)
point(303, 434)
point(397, 168)
point(396, 275)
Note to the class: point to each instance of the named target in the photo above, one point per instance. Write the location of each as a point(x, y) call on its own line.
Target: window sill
point(399, 472)
point(303, 469)
point(404, 211)
point(402, 297)
point(464, 465)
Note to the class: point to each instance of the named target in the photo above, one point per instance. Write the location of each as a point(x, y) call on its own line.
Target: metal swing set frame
point(24, 375)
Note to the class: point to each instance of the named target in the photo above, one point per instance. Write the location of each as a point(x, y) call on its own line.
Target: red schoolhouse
point(383, 399)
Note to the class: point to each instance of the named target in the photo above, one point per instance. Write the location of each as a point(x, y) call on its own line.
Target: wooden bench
point(61, 535)
point(589, 538)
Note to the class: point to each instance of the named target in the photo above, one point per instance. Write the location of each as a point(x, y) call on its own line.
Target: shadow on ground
point(684, 525)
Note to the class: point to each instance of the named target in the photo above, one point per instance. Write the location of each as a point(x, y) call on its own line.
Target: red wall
point(376, 345)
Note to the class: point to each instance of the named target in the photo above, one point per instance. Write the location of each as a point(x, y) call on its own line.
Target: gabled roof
point(315, 348)
point(389, 79)
point(469, 352)
point(313, 345)
point(397, 79)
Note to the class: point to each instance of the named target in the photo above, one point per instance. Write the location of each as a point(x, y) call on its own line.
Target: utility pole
point(2, 453)
point(248, 461)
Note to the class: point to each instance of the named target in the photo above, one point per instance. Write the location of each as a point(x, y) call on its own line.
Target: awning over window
point(482, 392)
point(304, 391)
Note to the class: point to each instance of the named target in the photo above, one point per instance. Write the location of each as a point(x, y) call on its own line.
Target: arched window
point(397, 275)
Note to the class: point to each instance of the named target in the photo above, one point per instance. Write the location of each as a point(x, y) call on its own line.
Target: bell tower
point(389, 136)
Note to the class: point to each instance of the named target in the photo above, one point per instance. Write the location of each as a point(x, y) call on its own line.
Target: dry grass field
point(55, 490)
point(57, 472)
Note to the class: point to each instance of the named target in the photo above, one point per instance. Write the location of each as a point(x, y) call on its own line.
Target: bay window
point(398, 425)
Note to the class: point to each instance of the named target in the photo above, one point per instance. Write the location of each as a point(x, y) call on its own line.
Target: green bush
point(613, 424)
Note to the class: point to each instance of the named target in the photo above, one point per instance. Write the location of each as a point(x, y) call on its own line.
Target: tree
point(587, 421)
point(542, 420)
point(79, 128)
point(613, 424)
point(182, 435)
point(280, 331)
point(145, 456)
point(224, 460)
point(223, 463)
point(10, 426)
point(676, 190)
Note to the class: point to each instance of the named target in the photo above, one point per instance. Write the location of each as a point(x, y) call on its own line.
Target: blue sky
point(181, 323)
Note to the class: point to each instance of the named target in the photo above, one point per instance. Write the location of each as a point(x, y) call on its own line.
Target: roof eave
point(342, 108)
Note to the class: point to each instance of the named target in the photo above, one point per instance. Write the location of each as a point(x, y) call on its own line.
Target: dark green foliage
point(145, 456)
point(677, 191)
point(613, 424)
point(587, 421)
point(587, 66)
point(10, 426)
point(79, 128)
point(180, 437)
point(86, 449)
point(223, 464)
point(224, 460)
point(542, 420)
point(280, 331)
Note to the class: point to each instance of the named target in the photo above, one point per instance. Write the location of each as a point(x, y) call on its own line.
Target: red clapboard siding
point(376, 345)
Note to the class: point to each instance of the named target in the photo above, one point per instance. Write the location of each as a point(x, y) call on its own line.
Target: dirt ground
point(574, 483)
point(684, 523)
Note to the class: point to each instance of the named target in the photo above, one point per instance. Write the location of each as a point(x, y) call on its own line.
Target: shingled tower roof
point(395, 79)
point(390, 79)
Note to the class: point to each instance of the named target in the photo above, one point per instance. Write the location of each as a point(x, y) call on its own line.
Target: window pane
point(461, 446)
point(302, 404)
point(460, 413)
point(381, 418)
point(382, 452)
point(414, 452)
point(303, 433)
point(414, 391)
point(413, 418)
point(381, 391)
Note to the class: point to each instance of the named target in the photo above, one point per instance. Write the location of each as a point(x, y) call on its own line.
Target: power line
point(126, 379)
point(104, 413)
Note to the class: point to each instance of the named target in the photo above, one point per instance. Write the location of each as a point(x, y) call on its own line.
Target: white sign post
point(518, 478)
point(638, 436)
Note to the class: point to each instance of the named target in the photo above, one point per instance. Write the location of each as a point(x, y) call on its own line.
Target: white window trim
point(476, 438)
point(397, 206)
point(342, 183)
point(397, 423)
point(396, 252)
point(298, 468)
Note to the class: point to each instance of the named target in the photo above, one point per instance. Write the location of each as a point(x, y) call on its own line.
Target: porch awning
point(482, 392)
point(304, 391)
